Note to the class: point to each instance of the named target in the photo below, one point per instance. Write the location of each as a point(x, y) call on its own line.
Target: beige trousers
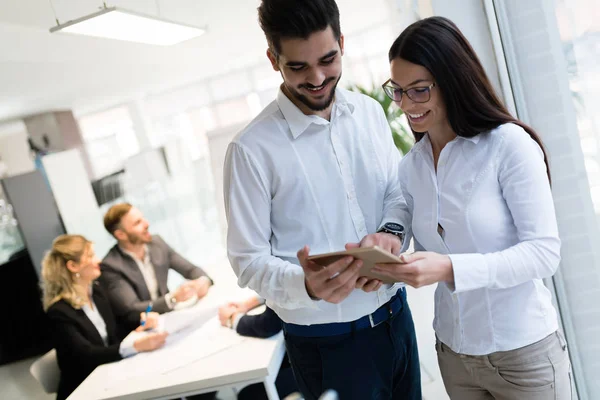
point(540, 371)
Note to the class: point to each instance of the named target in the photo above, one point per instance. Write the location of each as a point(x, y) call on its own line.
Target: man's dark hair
point(296, 19)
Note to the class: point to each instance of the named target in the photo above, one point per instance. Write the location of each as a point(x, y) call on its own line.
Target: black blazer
point(79, 347)
point(125, 284)
point(263, 325)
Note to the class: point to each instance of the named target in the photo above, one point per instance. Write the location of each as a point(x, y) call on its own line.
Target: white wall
point(471, 19)
point(218, 140)
point(75, 198)
point(14, 149)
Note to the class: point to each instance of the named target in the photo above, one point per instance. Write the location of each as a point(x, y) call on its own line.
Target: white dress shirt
point(292, 180)
point(147, 270)
point(126, 347)
point(492, 198)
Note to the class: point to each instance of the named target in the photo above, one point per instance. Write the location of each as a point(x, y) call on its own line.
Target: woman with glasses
point(82, 321)
point(480, 211)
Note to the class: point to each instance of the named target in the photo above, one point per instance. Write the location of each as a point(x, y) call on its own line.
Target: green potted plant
point(403, 139)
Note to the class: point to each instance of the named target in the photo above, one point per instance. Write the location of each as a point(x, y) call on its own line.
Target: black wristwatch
point(394, 229)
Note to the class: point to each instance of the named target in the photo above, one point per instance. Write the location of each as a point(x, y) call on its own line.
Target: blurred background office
point(86, 122)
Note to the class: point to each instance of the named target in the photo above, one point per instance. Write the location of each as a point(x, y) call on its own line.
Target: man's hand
point(368, 285)
point(385, 241)
point(226, 314)
point(246, 305)
point(200, 286)
point(184, 292)
point(332, 283)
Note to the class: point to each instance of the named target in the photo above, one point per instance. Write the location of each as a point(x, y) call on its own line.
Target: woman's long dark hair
point(472, 106)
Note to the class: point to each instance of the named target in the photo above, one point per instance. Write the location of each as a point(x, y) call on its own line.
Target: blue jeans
point(367, 364)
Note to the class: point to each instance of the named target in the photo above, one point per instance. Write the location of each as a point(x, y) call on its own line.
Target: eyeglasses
point(416, 94)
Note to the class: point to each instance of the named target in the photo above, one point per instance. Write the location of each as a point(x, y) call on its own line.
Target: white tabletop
point(244, 361)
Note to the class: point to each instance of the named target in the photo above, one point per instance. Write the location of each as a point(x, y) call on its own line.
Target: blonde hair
point(112, 218)
point(57, 280)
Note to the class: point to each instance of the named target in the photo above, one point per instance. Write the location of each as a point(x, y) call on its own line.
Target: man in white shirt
point(135, 270)
point(318, 167)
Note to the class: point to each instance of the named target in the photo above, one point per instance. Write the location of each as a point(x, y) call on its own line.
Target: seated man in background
point(135, 270)
point(263, 325)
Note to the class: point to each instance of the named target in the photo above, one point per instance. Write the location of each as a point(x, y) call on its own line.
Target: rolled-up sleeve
point(248, 211)
point(526, 190)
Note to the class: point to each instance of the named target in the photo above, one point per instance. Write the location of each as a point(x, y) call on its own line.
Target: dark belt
point(382, 314)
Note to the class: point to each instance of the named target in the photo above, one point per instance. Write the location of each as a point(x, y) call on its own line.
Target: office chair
point(45, 370)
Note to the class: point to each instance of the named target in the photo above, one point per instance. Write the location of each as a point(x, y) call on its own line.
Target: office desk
point(250, 361)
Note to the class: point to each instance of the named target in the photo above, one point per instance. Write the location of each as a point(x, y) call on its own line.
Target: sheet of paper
point(176, 321)
point(211, 338)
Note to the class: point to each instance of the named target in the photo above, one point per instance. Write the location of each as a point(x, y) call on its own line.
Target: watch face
point(394, 226)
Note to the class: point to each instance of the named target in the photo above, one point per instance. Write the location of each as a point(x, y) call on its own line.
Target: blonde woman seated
point(82, 321)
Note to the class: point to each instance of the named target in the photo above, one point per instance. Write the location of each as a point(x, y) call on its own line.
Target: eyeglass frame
point(403, 92)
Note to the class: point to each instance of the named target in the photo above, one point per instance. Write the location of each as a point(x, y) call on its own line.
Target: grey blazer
point(125, 285)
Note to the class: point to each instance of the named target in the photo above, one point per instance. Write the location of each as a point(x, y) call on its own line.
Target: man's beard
point(136, 239)
point(323, 105)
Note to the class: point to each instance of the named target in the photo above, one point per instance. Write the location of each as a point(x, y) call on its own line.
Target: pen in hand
point(148, 309)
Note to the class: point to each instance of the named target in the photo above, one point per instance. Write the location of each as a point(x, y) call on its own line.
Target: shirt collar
point(132, 255)
point(299, 122)
point(343, 103)
point(475, 139)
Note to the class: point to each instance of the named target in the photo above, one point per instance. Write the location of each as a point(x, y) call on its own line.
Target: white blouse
point(126, 348)
point(492, 198)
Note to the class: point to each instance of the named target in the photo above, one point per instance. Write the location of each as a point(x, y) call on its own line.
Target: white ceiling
point(40, 71)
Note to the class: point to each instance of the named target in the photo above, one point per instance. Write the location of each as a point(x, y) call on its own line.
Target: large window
point(109, 139)
point(10, 238)
point(579, 29)
point(552, 52)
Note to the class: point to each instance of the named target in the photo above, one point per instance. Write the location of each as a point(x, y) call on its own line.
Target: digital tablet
point(369, 255)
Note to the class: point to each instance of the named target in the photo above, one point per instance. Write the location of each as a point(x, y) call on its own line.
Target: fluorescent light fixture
point(117, 23)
